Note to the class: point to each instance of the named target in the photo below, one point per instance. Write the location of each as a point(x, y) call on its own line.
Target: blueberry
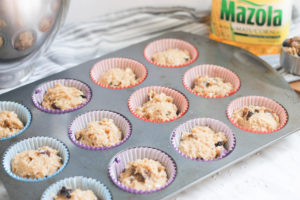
point(286, 43)
point(249, 115)
point(221, 143)
point(65, 192)
point(83, 96)
point(54, 106)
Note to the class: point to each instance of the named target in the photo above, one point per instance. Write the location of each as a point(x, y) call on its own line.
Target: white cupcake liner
point(169, 43)
point(78, 182)
point(32, 144)
point(40, 91)
point(23, 114)
point(121, 159)
point(257, 101)
point(104, 65)
point(211, 71)
point(82, 121)
point(215, 125)
point(139, 97)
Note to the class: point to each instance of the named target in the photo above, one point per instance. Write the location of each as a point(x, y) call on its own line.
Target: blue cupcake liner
point(30, 144)
point(23, 114)
point(78, 182)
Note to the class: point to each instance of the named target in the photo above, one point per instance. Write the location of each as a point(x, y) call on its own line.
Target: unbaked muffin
point(103, 133)
point(159, 107)
point(256, 118)
point(77, 194)
point(62, 97)
point(202, 143)
point(39, 163)
point(118, 77)
point(10, 124)
point(211, 86)
point(173, 56)
point(145, 175)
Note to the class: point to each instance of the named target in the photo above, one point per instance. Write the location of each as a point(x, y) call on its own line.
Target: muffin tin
point(257, 78)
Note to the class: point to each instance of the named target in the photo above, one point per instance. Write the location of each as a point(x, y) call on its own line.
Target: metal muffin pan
point(257, 78)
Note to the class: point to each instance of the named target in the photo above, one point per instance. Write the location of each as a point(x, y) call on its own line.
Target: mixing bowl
point(27, 28)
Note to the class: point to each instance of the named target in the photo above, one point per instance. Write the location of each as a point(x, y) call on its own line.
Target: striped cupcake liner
point(169, 43)
point(78, 182)
point(104, 65)
point(215, 125)
point(22, 112)
point(31, 144)
point(41, 90)
point(211, 71)
point(139, 97)
point(83, 120)
point(121, 160)
point(257, 101)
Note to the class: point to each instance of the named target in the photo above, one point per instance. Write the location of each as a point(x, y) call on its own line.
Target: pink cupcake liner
point(211, 71)
point(123, 63)
point(257, 101)
point(40, 91)
point(165, 44)
point(121, 159)
point(139, 97)
point(216, 125)
point(82, 121)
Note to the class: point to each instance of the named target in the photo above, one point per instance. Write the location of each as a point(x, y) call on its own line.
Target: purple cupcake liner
point(40, 91)
point(82, 121)
point(121, 159)
point(216, 125)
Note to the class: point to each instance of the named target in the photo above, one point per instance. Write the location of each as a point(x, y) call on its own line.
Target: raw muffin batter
point(211, 86)
point(2, 23)
point(160, 107)
point(202, 143)
point(146, 174)
point(292, 46)
point(256, 118)
point(24, 40)
point(62, 98)
point(118, 77)
point(77, 194)
point(10, 124)
point(102, 133)
point(38, 163)
point(171, 57)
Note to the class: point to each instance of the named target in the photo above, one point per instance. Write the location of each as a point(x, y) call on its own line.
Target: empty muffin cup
point(215, 125)
point(22, 112)
point(41, 90)
point(83, 120)
point(78, 182)
point(211, 71)
point(119, 162)
point(102, 67)
point(139, 97)
point(167, 44)
point(261, 102)
point(33, 144)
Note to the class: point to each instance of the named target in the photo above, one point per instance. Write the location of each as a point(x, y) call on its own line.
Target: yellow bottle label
point(259, 26)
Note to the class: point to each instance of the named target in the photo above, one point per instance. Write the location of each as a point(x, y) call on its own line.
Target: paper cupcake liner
point(211, 71)
point(82, 121)
point(139, 97)
point(165, 44)
point(78, 182)
point(216, 125)
point(30, 144)
point(123, 63)
point(121, 159)
point(257, 101)
point(23, 114)
point(40, 91)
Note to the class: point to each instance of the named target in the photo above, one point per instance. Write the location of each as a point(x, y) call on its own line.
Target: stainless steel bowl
point(289, 62)
point(27, 28)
